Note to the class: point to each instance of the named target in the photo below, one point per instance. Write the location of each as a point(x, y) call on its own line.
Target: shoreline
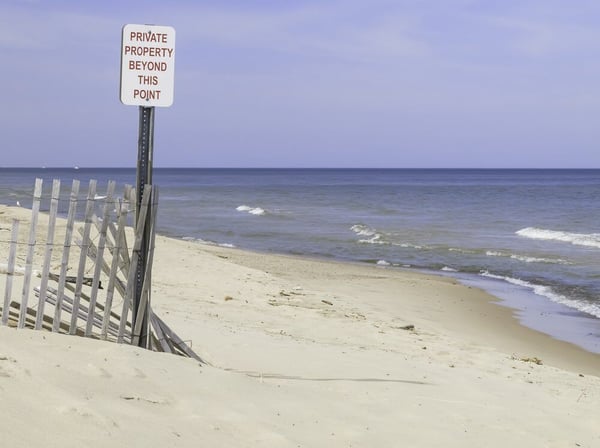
point(534, 311)
point(482, 309)
point(301, 352)
point(541, 314)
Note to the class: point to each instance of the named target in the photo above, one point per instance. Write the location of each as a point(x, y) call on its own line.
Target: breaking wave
point(546, 291)
point(525, 258)
point(578, 239)
point(252, 210)
point(363, 230)
point(376, 237)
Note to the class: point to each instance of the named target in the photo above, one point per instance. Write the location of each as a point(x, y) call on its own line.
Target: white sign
point(147, 65)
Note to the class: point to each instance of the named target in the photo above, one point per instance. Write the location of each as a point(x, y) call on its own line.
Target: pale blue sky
point(369, 83)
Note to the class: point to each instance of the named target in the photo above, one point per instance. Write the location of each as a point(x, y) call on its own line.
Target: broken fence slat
point(177, 341)
point(160, 336)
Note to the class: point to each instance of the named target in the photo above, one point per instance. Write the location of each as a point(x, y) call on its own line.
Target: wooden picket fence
point(80, 304)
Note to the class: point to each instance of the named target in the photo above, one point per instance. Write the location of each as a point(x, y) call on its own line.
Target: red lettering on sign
point(148, 80)
point(149, 66)
point(148, 37)
point(146, 94)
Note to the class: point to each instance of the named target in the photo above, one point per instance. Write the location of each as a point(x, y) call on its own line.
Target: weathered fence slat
point(160, 336)
point(66, 251)
point(144, 305)
point(129, 199)
point(48, 255)
point(10, 271)
point(37, 197)
point(31, 315)
point(177, 341)
point(139, 231)
point(100, 254)
point(112, 275)
point(84, 311)
point(92, 254)
point(89, 209)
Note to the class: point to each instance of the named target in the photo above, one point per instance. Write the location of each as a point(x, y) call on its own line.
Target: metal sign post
point(147, 80)
point(144, 177)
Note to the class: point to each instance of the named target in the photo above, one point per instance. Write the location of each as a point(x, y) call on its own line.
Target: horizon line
point(77, 168)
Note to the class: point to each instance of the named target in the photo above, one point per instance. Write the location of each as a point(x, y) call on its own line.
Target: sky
point(307, 83)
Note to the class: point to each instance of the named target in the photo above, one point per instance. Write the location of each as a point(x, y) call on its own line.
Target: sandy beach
point(301, 353)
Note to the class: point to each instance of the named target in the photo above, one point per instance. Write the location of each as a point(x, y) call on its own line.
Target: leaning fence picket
point(99, 255)
point(139, 232)
point(10, 271)
point(48, 257)
point(112, 275)
point(65, 256)
point(37, 197)
point(89, 209)
point(144, 303)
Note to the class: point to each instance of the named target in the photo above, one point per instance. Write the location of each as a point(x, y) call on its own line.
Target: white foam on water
point(383, 263)
point(252, 210)
point(406, 245)
point(363, 230)
point(493, 253)
point(207, 242)
point(578, 239)
point(526, 258)
point(448, 269)
point(546, 291)
point(462, 251)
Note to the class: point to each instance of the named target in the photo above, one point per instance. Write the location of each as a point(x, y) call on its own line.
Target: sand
point(301, 353)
